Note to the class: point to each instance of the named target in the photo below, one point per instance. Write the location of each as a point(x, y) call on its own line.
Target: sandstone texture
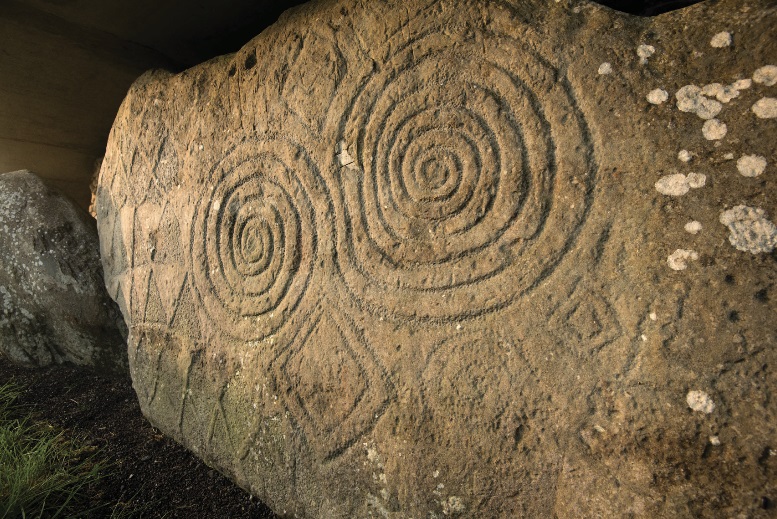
point(53, 304)
point(429, 259)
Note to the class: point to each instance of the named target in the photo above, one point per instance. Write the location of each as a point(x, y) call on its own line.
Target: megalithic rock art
point(475, 259)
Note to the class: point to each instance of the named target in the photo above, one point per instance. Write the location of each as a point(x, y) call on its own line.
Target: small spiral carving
point(253, 240)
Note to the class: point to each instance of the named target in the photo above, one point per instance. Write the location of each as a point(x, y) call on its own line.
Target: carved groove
point(253, 242)
point(335, 393)
point(462, 201)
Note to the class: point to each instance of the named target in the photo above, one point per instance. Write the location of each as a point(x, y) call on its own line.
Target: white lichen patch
point(714, 130)
point(765, 108)
point(720, 40)
point(723, 93)
point(693, 227)
point(685, 156)
point(673, 185)
point(373, 456)
point(690, 99)
point(750, 230)
point(657, 96)
point(374, 502)
point(766, 75)
point(679, 259)
point(644, 52)
point(712, 89)
point(454, 505)
point(742, 84)
point(678, 184)
point(605, 68)
point(696, 180)
point(700, 401)
point(751, 165)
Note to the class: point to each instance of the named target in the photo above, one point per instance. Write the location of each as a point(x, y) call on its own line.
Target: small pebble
point(605, 68)
point(714, 440)
point(684, 155)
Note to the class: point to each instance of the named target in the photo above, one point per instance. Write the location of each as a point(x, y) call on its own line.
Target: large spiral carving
point(254, 238)
point(474, 174)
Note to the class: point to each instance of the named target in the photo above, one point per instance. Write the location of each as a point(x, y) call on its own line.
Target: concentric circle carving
point(474, 173)
point(253, 242)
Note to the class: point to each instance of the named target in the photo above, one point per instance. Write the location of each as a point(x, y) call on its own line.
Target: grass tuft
point(42, 473)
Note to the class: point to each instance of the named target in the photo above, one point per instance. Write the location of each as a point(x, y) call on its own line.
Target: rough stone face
point(410, 259)
point(53, 303)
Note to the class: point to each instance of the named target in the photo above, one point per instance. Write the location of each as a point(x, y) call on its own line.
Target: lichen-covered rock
point(53, 304)
point(416, 259)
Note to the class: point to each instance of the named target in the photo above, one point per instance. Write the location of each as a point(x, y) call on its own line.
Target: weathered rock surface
point(478, 259)
point(53, 304)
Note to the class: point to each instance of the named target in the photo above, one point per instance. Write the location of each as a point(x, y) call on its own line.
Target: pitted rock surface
point(411, 259)
point(53, 304)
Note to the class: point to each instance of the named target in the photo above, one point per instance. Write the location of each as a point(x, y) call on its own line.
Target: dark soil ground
point(151, 474)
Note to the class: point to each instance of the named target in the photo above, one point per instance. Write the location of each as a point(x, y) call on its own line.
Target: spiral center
point(433, 174)
point(252, 244)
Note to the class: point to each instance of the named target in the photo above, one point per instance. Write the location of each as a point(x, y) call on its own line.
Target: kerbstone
point(430, 259)
point(53, 304)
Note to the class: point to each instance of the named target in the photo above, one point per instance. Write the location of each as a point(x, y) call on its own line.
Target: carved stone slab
point(477, 259)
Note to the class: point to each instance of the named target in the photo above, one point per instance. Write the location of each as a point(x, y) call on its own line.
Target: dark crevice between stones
point(242, 30)
point(646, 7)
point(231, 40)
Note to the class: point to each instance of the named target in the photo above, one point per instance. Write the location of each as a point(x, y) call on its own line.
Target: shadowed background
point(65, 66)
